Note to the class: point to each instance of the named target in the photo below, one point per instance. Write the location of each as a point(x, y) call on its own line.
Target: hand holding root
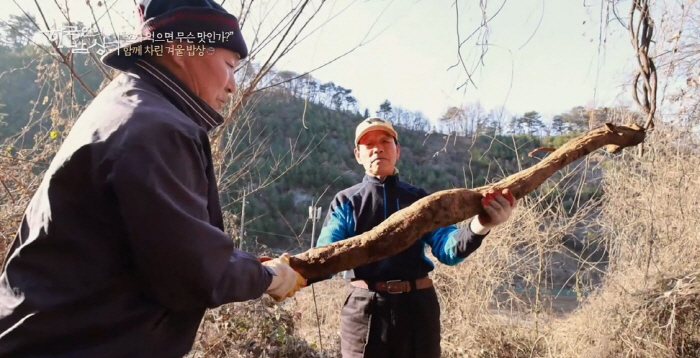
point(497, 206)
point(286, 282)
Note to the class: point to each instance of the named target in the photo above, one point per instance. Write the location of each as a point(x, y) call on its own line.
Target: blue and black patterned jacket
point(363, 206)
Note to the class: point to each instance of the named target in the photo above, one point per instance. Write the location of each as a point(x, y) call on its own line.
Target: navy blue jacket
point(123, 248)
point(363, 206)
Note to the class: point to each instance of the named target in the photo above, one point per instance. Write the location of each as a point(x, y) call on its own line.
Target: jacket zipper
point(398, 206)
point(384, 190)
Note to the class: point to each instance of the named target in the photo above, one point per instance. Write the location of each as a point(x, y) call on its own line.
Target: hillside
point(277, 215)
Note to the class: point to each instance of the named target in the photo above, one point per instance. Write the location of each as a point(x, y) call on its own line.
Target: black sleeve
point(185, 262)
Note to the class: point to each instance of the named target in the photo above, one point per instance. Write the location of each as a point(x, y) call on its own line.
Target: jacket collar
point(390, 180)
point(190, 104)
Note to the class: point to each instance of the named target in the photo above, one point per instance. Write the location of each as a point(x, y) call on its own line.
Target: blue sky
point(542, 55)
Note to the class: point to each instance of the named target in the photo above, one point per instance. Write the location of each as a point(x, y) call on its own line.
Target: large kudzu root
point(447, 207)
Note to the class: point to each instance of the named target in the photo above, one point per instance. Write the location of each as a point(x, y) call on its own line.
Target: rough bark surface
point(447, 207)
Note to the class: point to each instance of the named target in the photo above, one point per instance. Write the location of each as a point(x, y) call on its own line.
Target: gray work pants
point(379, 324)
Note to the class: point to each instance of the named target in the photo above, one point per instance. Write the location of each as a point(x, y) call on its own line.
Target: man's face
point(377, 152)
point(209, 76)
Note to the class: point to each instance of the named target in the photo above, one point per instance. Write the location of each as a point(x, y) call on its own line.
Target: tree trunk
point(403, 228)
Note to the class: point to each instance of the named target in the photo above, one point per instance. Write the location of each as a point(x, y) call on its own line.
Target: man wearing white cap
point(392, 309)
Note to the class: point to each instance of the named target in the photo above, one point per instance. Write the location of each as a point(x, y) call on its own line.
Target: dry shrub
point(257, 328)
point(264, 328)
point(26, 155)
point(509, 341)
point(663, 321)
point(319, 307)
point(648, 305)
point(497, 302)
point(670, 312)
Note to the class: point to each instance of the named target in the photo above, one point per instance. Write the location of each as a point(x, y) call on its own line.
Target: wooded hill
point(278, 214)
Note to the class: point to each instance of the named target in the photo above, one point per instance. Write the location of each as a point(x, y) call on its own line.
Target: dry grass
point(648, 306)
point(258, 328)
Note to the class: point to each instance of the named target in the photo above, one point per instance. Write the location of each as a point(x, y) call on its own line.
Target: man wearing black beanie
point(122, 248)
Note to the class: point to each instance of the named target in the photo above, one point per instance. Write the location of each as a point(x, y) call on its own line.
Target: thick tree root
point(448, 207)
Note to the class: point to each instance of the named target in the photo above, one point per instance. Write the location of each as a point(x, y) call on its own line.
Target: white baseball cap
point(373, 124)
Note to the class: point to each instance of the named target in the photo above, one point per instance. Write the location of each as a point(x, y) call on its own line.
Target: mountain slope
point(277, 215)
